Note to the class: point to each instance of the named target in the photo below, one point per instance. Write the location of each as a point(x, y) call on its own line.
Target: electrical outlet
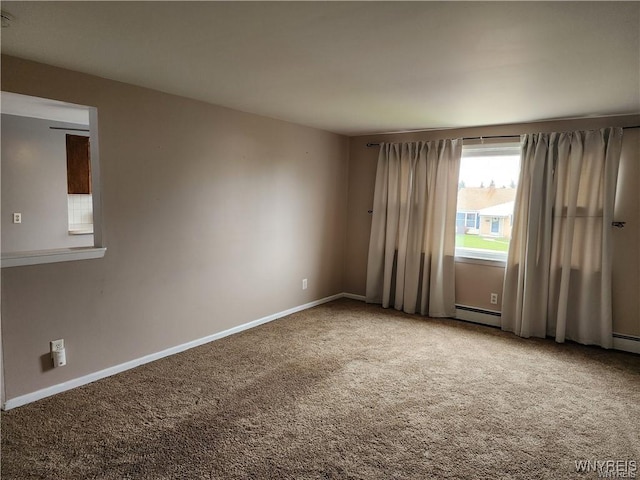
point(494, 299)
point(304, 283)
point(57, 345)
point(17, 218)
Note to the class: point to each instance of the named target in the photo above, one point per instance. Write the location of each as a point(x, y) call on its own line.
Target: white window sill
point(81, 229)
point(36, 257)
point(481, 257)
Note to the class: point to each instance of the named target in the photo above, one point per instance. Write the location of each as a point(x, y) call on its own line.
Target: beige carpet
point(344, 391)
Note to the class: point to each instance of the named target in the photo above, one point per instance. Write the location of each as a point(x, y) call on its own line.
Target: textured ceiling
point(354, 67)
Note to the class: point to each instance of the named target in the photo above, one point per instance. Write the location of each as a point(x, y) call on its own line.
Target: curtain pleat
point(558, 275)
point(412, 243)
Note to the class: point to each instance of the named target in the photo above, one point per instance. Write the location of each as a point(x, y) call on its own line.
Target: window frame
point(493, 147)
point(98, 250)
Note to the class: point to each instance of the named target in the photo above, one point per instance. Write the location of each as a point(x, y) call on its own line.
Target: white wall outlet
point(304, 283)
point(494, 299)
point(17, 218)
point(58, 354)
point(57, 345)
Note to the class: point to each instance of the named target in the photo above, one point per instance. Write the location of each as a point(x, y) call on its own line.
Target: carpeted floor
point(344, 391)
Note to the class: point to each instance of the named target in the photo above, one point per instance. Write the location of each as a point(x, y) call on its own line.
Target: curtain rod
point(493, 136)
point(70, 129)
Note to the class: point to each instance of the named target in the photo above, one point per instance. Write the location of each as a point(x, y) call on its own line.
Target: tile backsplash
point(80, 209)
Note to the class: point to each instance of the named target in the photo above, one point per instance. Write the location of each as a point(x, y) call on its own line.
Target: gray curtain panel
point(558, 276)
point(412, 243)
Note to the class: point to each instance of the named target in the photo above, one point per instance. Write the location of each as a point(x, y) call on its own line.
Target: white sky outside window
point(481, 165)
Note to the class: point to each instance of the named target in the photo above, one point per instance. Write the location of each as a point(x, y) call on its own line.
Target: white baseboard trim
point(353, 296)
point(626, 343)
point(107, 372)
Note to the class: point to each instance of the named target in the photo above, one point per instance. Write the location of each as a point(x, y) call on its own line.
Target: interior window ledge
point(81, 231)
point(36, 257)
point(481, 261)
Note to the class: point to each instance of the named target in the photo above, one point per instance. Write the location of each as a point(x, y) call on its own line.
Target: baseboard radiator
point(478, 315)
point(626, 343)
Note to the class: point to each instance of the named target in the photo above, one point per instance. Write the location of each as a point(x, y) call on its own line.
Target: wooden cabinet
point(78, 165)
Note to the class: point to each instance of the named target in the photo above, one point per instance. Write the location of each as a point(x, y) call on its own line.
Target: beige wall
point(474, 283)
point(626, 261)
point(212, 218)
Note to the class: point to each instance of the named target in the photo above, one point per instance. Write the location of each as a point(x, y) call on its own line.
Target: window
point(467, 219)
point(79, 199)
point(486, 195)
point(39, 127)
